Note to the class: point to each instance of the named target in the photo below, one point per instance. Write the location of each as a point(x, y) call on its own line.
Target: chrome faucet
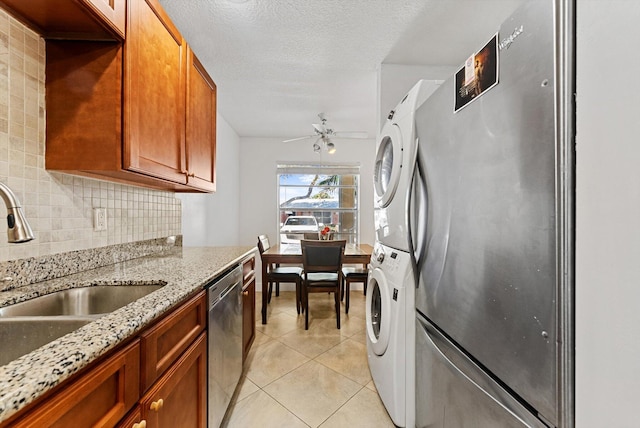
point(19, 229)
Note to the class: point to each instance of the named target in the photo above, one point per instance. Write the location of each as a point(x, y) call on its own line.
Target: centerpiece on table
point(326, 234)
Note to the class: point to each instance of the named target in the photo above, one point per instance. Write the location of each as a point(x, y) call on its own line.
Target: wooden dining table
point(292, 254)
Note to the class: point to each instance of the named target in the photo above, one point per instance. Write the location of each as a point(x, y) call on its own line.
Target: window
point(326, 193)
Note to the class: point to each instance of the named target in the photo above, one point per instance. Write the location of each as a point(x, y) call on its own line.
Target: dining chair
point(322, 263)
point(349, 275)
point(277, 274)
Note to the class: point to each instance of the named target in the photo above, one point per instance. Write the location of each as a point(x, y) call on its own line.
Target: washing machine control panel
point(391, 262)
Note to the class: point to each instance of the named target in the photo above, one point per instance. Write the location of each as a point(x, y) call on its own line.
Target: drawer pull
point(141, 424)
point(157, 405)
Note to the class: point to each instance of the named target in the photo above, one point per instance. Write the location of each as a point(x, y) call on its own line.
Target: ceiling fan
point(323, 135)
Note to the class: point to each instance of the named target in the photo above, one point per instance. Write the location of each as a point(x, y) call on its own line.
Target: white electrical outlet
point(99, 219)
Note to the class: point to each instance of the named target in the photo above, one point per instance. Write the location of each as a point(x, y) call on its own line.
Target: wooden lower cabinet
point(248, 304)
point(248, 317)
point(157, 380)
point(99, 398)
point(164, 342)
point(179, 398)
point(133, 419)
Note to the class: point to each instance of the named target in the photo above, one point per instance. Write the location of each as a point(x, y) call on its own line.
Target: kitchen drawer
point(100, 397)
point(248, 268)
point(163, 343)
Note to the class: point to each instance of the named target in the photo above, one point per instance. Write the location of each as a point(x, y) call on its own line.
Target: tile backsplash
point(58, 206)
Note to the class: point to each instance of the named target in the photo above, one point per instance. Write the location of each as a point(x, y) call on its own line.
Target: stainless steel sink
point(22, 335)
point(28, 325)
point(100, 299)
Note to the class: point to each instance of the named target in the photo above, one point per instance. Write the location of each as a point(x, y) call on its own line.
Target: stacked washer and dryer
point(390, 304)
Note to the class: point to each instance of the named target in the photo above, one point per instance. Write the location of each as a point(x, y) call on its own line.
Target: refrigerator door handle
point(417, 227)
point(463, 367)
point(410, 228)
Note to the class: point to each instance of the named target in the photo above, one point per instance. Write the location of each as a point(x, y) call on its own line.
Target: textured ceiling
point(278, 63)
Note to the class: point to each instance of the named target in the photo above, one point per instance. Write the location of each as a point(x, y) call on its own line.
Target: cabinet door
point(100, 397)
point(248, 316)
point(154, 94)
point(201, 126)
point(178, 399)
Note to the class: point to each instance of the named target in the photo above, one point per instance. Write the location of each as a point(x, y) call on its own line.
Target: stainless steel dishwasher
point(224, 343)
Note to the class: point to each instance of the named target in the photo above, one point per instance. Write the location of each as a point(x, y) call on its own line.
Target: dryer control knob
point(380, 257)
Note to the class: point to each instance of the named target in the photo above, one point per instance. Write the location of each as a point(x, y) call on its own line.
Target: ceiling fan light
point(316, 147)
point(331, 148)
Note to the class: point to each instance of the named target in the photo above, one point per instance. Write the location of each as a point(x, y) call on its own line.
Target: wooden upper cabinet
point(154, 103)
point(201, 125)
point(71, 19)
point(139, 112)
point(111, 11)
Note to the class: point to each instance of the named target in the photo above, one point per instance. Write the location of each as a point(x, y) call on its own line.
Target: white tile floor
point(308, 378)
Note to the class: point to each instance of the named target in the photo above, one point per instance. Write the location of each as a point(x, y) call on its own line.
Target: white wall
point(608, 215)
point(213, 218)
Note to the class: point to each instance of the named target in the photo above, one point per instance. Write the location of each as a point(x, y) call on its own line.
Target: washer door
point(386, 172)
point(378, 314)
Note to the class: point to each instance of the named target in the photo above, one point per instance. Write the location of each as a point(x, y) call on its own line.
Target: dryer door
point(386, 172)
point(378, 312)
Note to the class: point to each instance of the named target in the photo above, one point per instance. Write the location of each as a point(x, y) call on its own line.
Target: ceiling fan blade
point(298, 139)
point(351, 134)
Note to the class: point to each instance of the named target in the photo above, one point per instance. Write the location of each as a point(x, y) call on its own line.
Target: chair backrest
point(322, 256)
point(263, 243)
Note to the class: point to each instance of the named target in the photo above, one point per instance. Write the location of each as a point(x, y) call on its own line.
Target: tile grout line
point(279, 339)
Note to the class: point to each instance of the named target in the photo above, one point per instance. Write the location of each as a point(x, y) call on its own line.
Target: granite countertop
point(184, 270)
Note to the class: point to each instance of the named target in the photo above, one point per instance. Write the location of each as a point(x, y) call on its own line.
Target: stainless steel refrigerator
point(491, 219)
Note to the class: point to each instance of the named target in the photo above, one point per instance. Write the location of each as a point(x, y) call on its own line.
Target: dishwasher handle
point(224, 293)
point(227, 290)
point(229, 281)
